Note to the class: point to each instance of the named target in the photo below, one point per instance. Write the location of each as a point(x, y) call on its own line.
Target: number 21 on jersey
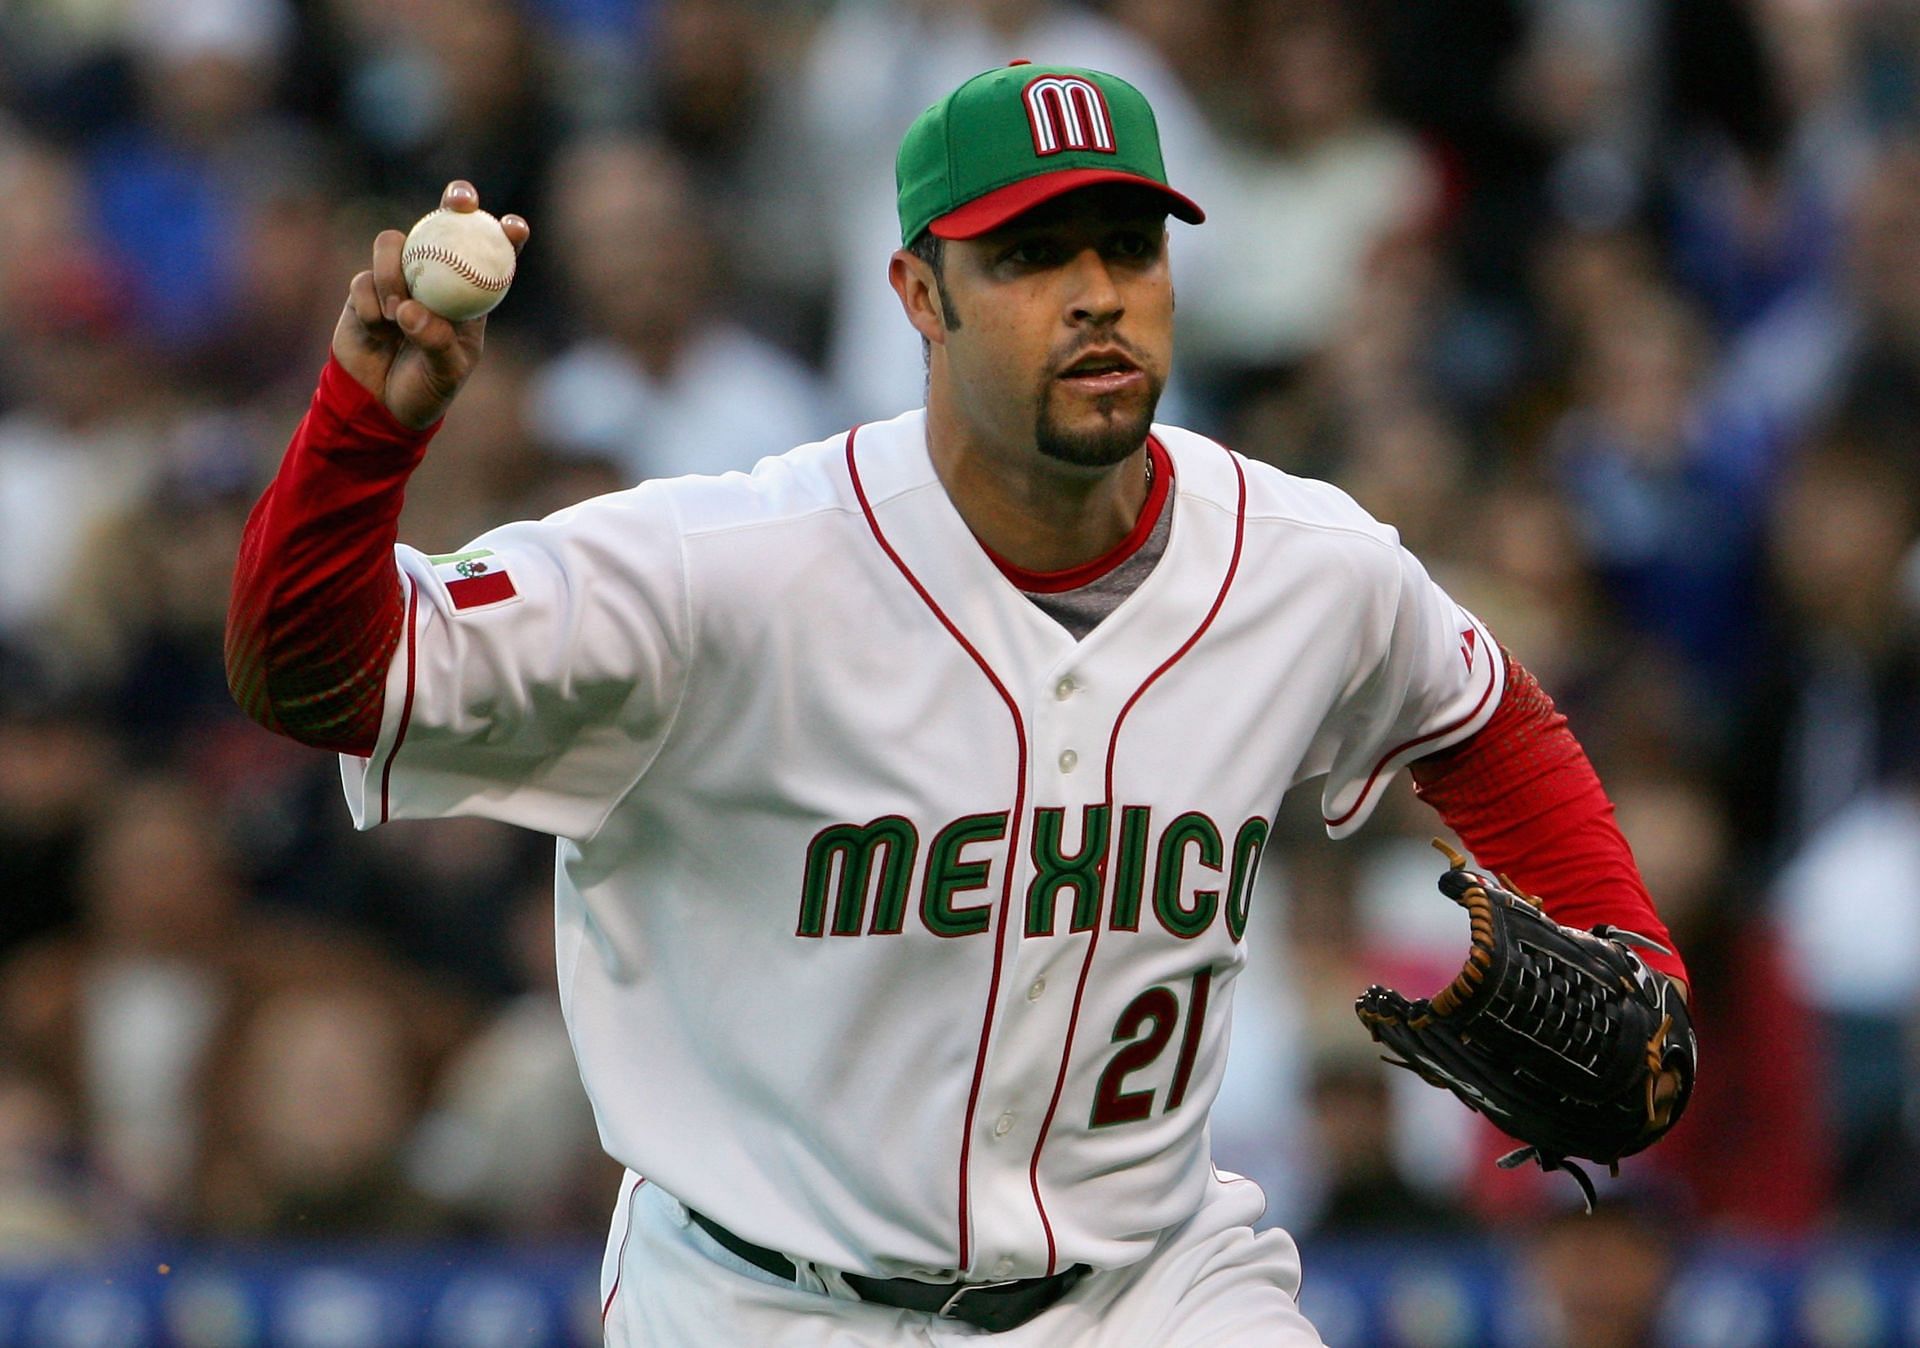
point(1156, 1012)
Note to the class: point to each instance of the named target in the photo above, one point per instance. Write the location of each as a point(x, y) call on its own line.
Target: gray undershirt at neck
point(1081, 610)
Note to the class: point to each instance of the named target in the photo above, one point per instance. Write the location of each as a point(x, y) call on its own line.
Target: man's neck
point(1035, 512)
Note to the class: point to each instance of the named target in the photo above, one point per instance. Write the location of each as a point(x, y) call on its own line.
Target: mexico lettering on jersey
point(898, 929)
point(854, 868)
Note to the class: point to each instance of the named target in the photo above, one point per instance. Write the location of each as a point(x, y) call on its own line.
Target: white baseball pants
point(1211, 1283)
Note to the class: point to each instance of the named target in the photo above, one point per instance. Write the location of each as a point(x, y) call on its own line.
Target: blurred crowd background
point(1612, 307)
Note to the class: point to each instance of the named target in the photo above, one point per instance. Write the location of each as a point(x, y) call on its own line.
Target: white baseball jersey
point(898, 929)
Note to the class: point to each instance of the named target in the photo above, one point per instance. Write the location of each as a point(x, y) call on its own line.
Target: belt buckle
point(949, 1308)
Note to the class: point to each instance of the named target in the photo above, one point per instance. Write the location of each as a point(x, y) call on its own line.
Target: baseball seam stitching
point(433, 252)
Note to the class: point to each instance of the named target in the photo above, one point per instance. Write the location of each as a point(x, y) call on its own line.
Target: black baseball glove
point(1563, 1038)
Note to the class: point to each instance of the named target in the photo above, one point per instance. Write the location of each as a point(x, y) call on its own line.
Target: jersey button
point(1065, 689)
point(1003, 1125)
point(1039, 986)
point(1068, 760)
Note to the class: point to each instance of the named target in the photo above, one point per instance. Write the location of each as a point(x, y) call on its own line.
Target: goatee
point(1118, 433)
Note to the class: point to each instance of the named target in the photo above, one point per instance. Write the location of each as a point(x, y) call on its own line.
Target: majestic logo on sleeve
point(1068, 113)
point(1187, 874)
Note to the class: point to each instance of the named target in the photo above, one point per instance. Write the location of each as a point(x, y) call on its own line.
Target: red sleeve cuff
point(347, 420)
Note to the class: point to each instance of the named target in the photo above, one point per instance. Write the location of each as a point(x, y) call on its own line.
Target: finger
point(389, 284)
point(363, 301)
point(460, 195)
point(433, 334)
point(517, 230)
point(1666, 1093)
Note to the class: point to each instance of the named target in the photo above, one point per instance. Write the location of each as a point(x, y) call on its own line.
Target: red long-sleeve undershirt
point(1527, 803)
point(317, 614)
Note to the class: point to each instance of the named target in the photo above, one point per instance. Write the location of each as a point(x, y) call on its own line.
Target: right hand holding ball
point(412, 327)
point(457, 263)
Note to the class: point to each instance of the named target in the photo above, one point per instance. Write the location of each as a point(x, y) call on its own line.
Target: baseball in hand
point(457, 263)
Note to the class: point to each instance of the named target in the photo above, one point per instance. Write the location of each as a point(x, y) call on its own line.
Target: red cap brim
point(985, 214)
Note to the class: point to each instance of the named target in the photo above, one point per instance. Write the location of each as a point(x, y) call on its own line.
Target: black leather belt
point(992, 1306)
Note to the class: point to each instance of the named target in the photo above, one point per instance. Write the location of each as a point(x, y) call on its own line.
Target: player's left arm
point(1523, 796)
point(1433, 691)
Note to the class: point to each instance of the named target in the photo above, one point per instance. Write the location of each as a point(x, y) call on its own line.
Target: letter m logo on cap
point(1068, 113)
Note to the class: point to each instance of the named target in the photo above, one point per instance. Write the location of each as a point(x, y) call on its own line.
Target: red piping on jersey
point(1493, 677)
point(406, 707)
point(1013, 843)
point(620, 1260)
point(1059, 582)
point(1093, 938)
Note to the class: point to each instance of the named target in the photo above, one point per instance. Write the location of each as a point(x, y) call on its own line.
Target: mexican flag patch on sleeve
point(474, 579)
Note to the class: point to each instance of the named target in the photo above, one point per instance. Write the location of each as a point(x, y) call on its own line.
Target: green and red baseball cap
point(1012, 138)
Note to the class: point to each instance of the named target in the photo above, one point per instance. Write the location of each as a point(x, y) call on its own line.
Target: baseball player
point(909, 790)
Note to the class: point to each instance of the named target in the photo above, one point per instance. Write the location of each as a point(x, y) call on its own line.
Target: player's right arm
point(316, 611)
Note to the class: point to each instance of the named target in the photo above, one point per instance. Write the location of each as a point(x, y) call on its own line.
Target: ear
point(913, 282)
